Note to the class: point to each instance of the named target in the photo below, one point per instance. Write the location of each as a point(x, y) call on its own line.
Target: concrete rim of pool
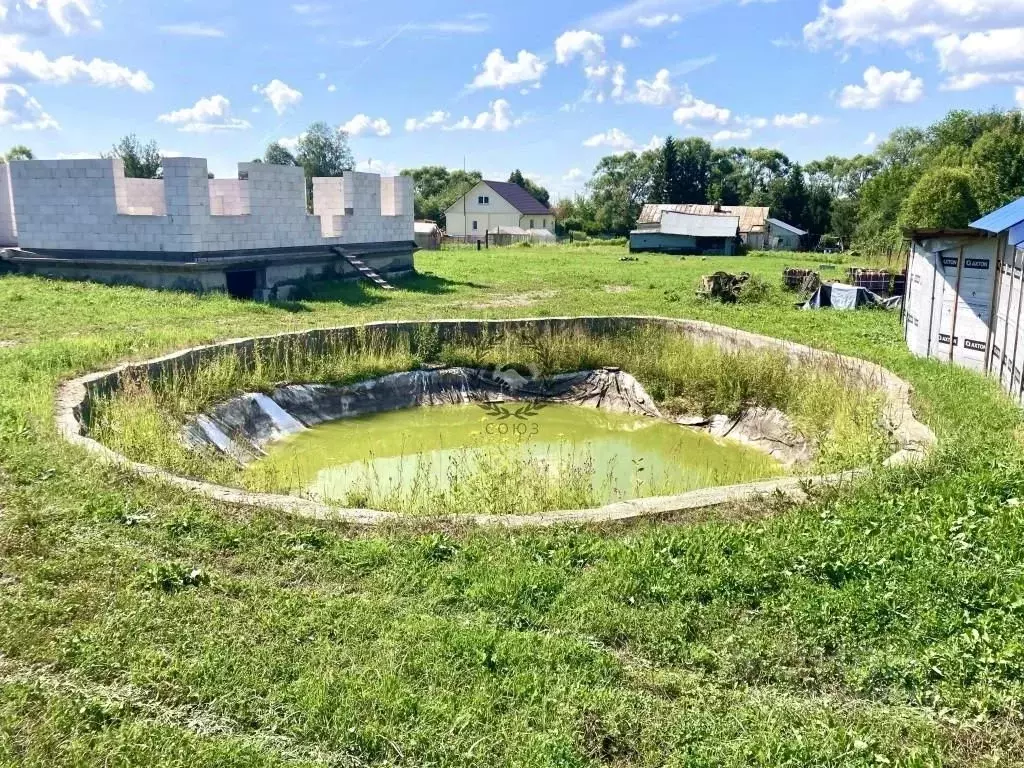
point(913, 439)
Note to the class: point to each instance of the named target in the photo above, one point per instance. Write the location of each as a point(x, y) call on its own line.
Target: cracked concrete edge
point(913, 439)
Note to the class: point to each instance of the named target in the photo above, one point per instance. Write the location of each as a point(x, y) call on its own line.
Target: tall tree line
point(944, 175)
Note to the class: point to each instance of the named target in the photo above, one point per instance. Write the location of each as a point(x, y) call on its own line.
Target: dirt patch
point(514, 300)
point(618, 288)
point(7, 343)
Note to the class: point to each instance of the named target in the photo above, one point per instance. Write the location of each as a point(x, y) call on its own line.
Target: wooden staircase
point(364, 271)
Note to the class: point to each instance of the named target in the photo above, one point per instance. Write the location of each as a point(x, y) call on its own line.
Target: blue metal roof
point(1002, 219)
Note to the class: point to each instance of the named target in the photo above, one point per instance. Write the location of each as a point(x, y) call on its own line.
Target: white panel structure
point(964, 304)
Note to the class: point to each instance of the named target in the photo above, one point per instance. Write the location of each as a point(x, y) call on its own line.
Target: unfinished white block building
point(251, 236)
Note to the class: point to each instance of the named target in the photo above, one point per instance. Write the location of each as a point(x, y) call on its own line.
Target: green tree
point(18, 152)
point(621, 184)
point(666, 184)
point(998, 159)
point(692, 178)
point(323, 151)
point(278, 155)
point(538, 192)
point(436, 189)
point(141, 161)
point(942, 197)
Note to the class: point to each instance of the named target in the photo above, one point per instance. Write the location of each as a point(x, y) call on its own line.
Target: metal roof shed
point(788, 227)
point(686, 233)
point(673, 223)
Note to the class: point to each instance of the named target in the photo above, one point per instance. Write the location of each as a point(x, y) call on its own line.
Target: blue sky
point(542, 86)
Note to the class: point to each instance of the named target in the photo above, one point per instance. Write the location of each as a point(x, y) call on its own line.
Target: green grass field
point(881, 624)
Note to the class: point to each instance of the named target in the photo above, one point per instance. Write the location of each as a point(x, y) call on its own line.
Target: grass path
point(140, 626)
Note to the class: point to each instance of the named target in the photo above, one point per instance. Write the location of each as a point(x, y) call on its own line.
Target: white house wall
point(89, 205)
point(490, 216)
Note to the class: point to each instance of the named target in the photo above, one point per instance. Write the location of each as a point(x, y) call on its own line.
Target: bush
point(755, 291)
point(940, 198)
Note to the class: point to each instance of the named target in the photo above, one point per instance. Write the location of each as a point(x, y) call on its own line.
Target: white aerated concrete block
point(90, 205)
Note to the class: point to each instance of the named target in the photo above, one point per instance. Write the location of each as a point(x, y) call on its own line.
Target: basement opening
point(242, 283)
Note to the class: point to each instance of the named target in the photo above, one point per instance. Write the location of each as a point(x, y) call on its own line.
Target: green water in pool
point(621, 456)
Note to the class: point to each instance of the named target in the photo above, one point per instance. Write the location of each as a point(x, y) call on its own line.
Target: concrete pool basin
point(911, 438)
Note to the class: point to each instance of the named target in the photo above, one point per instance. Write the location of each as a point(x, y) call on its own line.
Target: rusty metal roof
point(752, 218)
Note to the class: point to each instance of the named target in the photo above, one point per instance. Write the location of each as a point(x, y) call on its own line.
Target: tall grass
point(143, 420)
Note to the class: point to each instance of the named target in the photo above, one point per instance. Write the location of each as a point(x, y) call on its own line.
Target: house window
point(531, 224)
point(483, 200)
point(474, 226)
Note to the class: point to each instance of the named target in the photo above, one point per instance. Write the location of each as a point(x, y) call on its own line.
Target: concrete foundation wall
point(277, 274)
point(8, 229)
point(90, 205)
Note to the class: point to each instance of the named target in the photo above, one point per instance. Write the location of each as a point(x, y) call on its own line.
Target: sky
point(546, 87)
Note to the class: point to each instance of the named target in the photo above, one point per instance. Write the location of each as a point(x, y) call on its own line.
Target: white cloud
point(753, 122)
point(207, 115)
point(498, 72)
point(469, 24)
point(613, 138)
point(693, 109)
point(596, 71)
point(656, 142)
point(618, 81)
point(882, 88)
point(78, 155)
point(497, 118)
point(280, 95)
point(21, 112)
point(871, 140)
point(363, 124)
point(578, 42)
point(291, 143)
point(656, 93)
point(798, 120)
point(332, 88)
point(854, 22)
point(980, 58)
point(192, 29)
point(438, 117)
point(729, 135)
point(16, 63)
point(658, 19)
point(1019, 96)
point(628, 41)
point(40, 16)
point(977, 79)
point(573, 174)
point(321, 76)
